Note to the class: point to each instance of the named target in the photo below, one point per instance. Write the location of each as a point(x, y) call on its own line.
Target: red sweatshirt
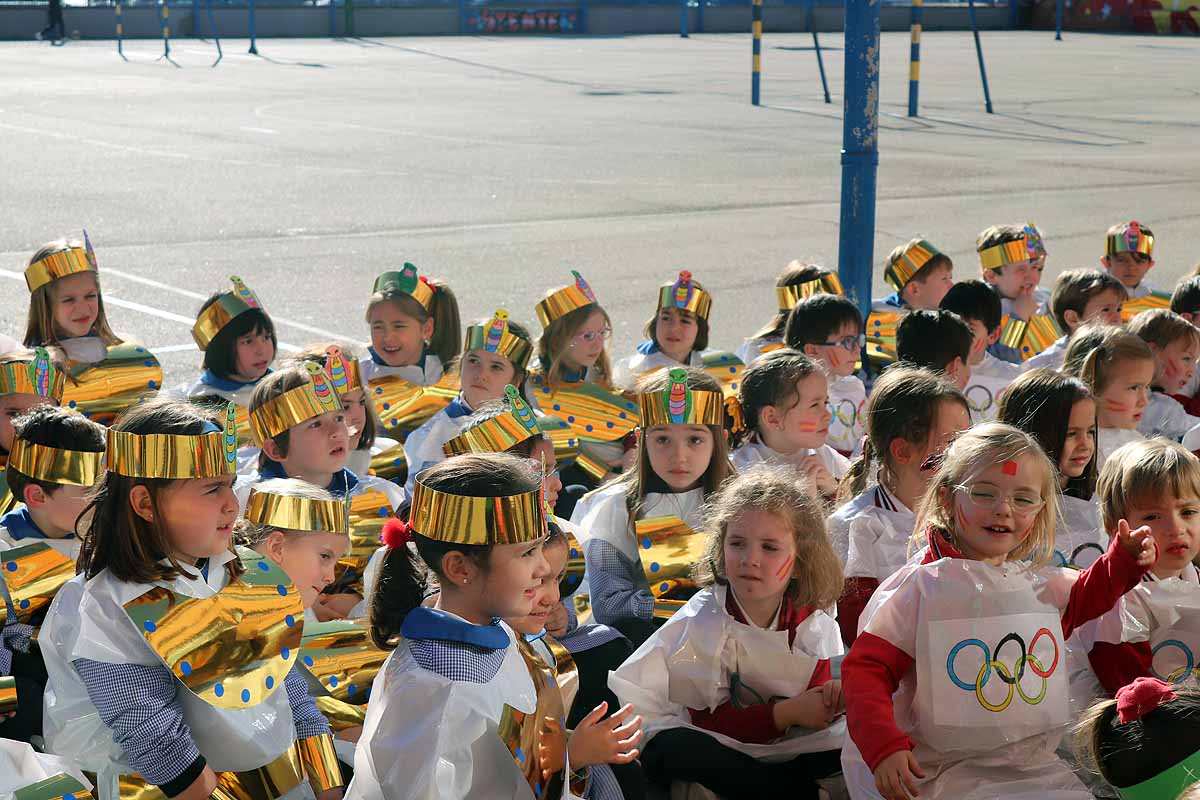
point(756, 724)
point(855, 596)
point(874, 667)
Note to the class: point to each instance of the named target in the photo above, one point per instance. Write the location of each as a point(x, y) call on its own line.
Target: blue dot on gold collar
point(149, 626)
point(281, 589)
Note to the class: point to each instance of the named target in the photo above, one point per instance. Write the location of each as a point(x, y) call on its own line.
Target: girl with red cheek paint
point(1176, 346)
point(743, 669)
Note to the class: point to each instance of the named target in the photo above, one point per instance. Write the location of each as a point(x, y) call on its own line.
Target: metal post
point(914, 58)
point(1013, 13)
point(120, 32)
point(755, 50)
point(166, 13)
point(349, 17)
point(860, 153)
point(253, 37)
point(1058, 15)
point(332, 20)
point(700, 16)
point(216, 36)
point(987, 96)
point(683, 18)
point(196, 20)
point(812, 26)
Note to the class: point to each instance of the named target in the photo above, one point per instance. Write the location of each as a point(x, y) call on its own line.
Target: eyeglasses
point(587, 337)
point(986, 497)
point(851, 343)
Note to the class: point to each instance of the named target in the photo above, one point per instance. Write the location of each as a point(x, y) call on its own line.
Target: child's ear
point(901, 450)
point(769, 417)
point(994, 336)
point(272, 450)
point(458, 569)
point(812, 351)
point(34, 496)
point(989, 276)
point(1071, 317)
point(427, 329)
point(141, 502)
point(1151, 264)
point(1189, 316)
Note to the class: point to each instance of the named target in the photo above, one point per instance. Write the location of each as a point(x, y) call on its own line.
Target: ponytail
point(400, 589)
point(446, 341)
point(855, 480)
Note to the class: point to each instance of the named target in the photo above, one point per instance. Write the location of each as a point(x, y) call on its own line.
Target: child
point(1185, 302)
point(1144, 742)
point(1012, 258)
point(828, 329)
point(979, 307)
point(167, 709)
point(572, 379)
point(415, 337)
point(935, 629)
point(593, 740)
point(642, 527)
point(937, 340)
point(1176, 346)
point(736, 687)
point(1156, 484)
point(495, 354)
point(798, 281)
point(66, 310)
point(921, 275)
point(1128, 256)
point(1079, 296)
point(455, 676)
point(676, 335)
point(237, 338)
point(28, 379)
point(785, 404)
point(912, 415)
point(1118, 367)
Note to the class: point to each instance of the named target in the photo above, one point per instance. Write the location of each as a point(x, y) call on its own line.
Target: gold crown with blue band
point(469, 520)
point(55, 464)
point(506, 430)
point(679, 404)
point(1130, 239)
point(211, 454)
point(312, 398)
point(405, 281)
point(295, 513)
point(685, 294)
point(1029, 247)
point(33, 374)
point(790, 296)
point(225, 309)
point(495, 336)
point(911, 261)
point(70, 261)
point(563, 301)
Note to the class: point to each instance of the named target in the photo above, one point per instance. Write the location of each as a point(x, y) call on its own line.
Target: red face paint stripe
point(784, 569)
point(1113, 405)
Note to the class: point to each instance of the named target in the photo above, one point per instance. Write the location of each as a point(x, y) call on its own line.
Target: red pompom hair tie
point(396, 533)
point(433, 288)
point(1141, 697)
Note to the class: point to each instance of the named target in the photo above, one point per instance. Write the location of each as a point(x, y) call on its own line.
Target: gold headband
point(55, 465)
point(406, 281)
point(342, 372)
point(679, 404)
point(36, 375)
point(565, 300)
point(222, 311)
point(463, 519)
point(61, 264)
point(517, 424)
point(1026, 248)
point(790, 296)
point(212, 454)
point(911, 261)
point(297, 513)
point(1131, 240)
point(495, 336)
point(311, 399)
point(686, 294)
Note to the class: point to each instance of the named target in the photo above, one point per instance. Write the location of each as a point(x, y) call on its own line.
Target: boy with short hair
point(28, 378)
point(921, 275)
point(937, 340)
point(1185, 301)
point(979, 307)
point(1176, 346)
point(1079, 296)
point(1012, 258)
point(1128, 256)
point(828, 329)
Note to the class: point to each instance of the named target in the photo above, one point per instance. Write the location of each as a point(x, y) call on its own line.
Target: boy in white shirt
point(979, 307)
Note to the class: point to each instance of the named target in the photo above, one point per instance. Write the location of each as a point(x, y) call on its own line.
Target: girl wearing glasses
point(736, 689)
point(969, 636)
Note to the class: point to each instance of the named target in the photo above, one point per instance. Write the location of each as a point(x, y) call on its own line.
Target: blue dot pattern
point(245, 695)
point(219, 690)
point(149, 626)
point(185, 667)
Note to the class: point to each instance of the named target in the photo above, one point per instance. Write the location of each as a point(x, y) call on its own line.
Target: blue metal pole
point(700, 16)
point(332, 20)
point(1012, 15)
point(683, 19)
point(166, 30)
point(120, 33)
point(860, 150)
point(216, 36)
point(1058, 15)
point(196, 20)
point(755, 50)
point(914, 59)
point(987, 96)
point(812, 26)
point(253, 38)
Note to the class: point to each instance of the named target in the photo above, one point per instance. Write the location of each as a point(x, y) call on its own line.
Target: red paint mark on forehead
point(1010, 467)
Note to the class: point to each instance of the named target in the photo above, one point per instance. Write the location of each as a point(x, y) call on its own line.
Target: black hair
point(814, 319)
point(1039, 402)
point(401, 586)
point(1186, 297)
point(933, 339)
point(1132, 752)
point(52, 426)
point(974, 300)
point(772, 382)
point(281, 380)
point(317, 355)
point(220, 357)
point(493, 409)
point(795, 273)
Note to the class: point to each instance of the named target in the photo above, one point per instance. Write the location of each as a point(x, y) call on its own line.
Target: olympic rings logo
point(1010, 677)
point(973, 391)
point(1179, 674)
point(1074, 562)
point(847, 419)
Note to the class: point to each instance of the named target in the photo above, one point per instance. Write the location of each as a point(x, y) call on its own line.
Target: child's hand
point(556, 621)
point(896, 776)
point(341, 604)
point(1139, 543)
point(819, 475)
point(605, 741)
point(807, 709)
point(831, 694)
point(1024, 305)
point(350, 734)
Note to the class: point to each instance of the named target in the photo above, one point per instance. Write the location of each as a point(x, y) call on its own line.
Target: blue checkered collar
point(21, 526)
point(430, 623)
point(342, 485)
point(210, 378)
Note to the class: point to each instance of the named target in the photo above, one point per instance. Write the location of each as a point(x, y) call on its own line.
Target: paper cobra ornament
point(1034, 245)
point(231, 433)
point(243, 292)
point(41, 372)
point(496, 330)
point(681, 292)
point(91, 254)
point(583, 286)
point(677, 400)
point(520, 409)
point(321, 388)
point(335, 368)
point(407, 282)
point(1132, 234)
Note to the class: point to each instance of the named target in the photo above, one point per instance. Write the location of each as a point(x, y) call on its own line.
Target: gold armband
point(321, 762)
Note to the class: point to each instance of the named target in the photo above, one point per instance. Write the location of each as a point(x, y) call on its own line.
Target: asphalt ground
point(499, 164)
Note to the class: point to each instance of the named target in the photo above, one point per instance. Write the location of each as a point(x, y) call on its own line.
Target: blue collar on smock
point(21, 526)
point(430, 623)
point(379, 359)
point(209, 378)
point(343, 483)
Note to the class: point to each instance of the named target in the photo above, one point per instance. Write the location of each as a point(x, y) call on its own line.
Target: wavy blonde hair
point(40, 328)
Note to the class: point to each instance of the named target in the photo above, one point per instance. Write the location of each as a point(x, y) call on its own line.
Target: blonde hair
point(39, 330)
point(1095, 351)
point(967, 457)
point(252, 534)
point(1140, 473)
point(446, 340)
point(817, 579)
point(556, 340)
point(1162, 328)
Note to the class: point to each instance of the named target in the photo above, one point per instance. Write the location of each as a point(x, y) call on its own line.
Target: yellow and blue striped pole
point(119, 9)
point(914, 59)
point(166, 28)
point(756, 50)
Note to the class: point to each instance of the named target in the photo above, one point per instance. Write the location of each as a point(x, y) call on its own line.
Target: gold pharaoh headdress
point(406, 281)
point(211, 454)
point(342, 372)
point(495, 336)
point(1131, 239)
point(222, 311)
point(679, 404)
point(503, 431)
point(686, 294)
point(464, 519)
point(565, 300)
point(789, 296)
point(297, 513)
point(311, 399)
point(55, 464)
point(911, 261)
point(61, 264)
point(1027, 248)
point(33, 375)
